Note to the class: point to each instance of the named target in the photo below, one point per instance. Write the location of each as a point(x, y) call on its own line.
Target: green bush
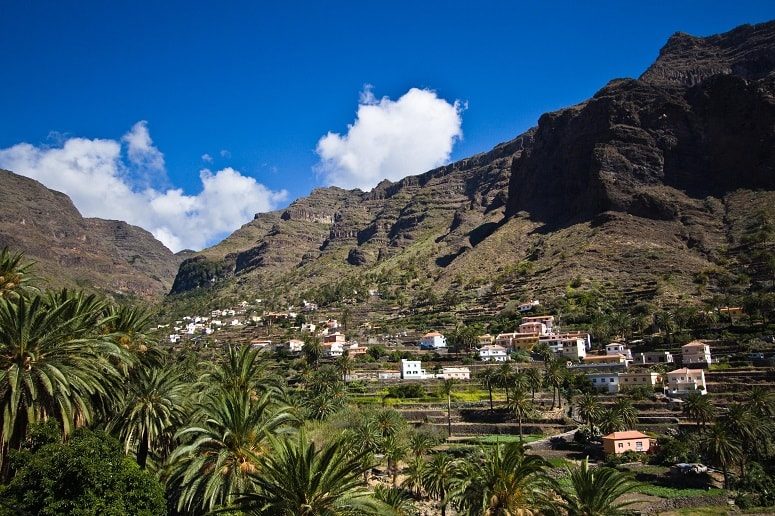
point(87, 475)
point(406, 390)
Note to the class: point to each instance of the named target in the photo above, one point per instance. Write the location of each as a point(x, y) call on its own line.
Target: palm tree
point(761, 402)
point(415, 475)
point(748, 427)
point(722, 448)
point(219, 452)
point(610, 421)
point(523, 407)
point(440, 478)
point(153, 406)
point(626, 412)
point(699, 408)
point(665, 322)
point(555, 374)
point(489, 381)
point(52, 366)
point(14, 274)
point(503, 378)
point(298, 478)
point(344, 365)
point(589, 408)
point(421, 442)
point(596, 492)
point(535, 380)
point(447, 387)
point(242, 369)
point(312, 350)
point(505, 481)
point(398, 501)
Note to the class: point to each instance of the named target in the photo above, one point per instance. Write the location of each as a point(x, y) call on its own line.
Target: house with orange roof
point(433, 340)
point(621, 442)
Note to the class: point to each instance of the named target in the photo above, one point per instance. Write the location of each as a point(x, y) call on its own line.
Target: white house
point(653, 357)
point(606, 382)
point(493, 352)
point(617, 348)
point(292, 346)
point(235, 322)
point(412, 370)
point(695, 352)
point(685, 381)
point(333, 349)
point(308, 328)
point(433, 340)
point(571, 346)
point(174, 338)
point(456, 373)
point(526, 307)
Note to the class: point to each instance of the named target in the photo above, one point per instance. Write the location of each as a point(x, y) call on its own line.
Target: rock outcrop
point(72, 251)
point(651, 178)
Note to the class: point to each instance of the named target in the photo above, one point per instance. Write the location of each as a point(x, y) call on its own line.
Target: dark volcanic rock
point(691, 123)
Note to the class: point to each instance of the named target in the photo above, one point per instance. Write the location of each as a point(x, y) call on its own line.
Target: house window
point(639, 445)
point(621, 445)
point(611, 380)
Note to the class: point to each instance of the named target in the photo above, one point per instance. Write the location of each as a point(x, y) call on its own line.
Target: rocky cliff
point(106, 255)
point(646, 183)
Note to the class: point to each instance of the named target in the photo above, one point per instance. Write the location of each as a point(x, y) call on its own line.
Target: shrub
point(89, 474)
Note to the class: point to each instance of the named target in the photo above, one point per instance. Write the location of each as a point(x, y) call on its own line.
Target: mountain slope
point(648, 187)
point(70, 250)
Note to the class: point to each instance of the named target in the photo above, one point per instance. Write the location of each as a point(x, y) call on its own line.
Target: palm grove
point(97, 419)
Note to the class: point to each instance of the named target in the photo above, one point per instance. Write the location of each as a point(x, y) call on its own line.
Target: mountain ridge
point(73, 251)
point(633, 183)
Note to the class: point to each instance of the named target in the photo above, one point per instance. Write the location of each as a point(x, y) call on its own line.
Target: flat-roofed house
point(456, 373)
point(633, 379)
point(606, 382)
point(653, 357)
point(335, 337)
point(517, 341)
point(485, 339)
point(493, 353)
point(617, 348)
point(533, 328)
point(684, 381)
point(573, 347)
point(412, 370)
point(546, 320)
point(621, 442)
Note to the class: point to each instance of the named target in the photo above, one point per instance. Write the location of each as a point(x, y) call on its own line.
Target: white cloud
point(207, 158)
point(98, 180)
point(225, 153)
point(140, 149)
point(391, 139)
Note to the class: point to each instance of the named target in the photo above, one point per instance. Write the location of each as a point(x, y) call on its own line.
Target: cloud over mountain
point(103, 183)
point(391, 139)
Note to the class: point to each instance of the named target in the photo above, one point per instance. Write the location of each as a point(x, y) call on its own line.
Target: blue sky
point(265, 81)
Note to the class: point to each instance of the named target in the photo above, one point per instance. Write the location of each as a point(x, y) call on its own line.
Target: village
point(627, 402)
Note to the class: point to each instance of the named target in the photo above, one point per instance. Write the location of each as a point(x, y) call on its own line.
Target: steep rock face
point(747, 51)
point(647, 184)
point(689, 124)
point(351, 228)
point(72, 251)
